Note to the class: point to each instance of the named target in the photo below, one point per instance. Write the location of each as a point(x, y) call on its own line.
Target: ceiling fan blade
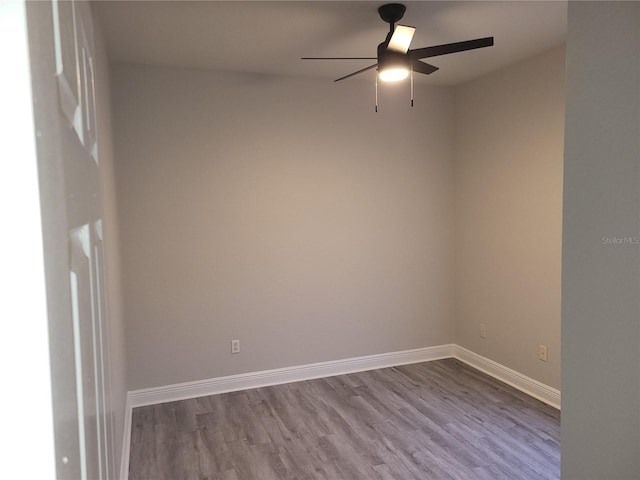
point(422, 67)
point(338, 58)
point(401, 39)
point(356, 73)
point(450, 48)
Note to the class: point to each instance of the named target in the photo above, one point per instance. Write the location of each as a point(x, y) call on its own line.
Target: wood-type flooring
point(427, 421)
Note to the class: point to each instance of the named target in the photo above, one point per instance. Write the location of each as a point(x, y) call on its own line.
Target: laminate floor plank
point(143, 463)
point(440, 420)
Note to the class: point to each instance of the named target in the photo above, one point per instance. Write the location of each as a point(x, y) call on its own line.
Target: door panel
point(103, 370)
point(64, 30)
point(88, 98)
point(80, 282)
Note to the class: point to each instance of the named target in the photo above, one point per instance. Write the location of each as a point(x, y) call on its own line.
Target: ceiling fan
point(395, 61)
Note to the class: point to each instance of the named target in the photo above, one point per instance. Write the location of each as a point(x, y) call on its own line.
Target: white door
point(62, 66)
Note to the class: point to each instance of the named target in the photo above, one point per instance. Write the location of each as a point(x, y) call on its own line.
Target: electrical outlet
point(483, 331)
point(542, 353)
point(235, 346)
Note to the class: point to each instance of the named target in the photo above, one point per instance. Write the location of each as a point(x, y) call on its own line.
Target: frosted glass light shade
point(393, 74)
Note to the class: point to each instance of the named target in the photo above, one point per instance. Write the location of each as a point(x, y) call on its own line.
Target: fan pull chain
point(376, 93)
point(412, 85)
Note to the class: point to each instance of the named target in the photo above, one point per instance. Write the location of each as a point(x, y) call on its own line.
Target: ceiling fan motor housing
point(388, 59)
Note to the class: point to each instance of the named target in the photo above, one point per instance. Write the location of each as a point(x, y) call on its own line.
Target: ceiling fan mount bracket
point(391, 12)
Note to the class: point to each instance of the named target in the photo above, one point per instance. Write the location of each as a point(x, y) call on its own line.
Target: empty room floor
point(427, 421)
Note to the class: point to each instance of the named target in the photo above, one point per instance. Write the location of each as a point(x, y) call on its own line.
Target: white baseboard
point(264, 378)
point(517, 380)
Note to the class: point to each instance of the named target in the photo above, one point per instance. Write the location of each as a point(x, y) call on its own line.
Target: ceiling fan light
point(394, 74)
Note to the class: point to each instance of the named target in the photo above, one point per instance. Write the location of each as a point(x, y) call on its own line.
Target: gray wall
point(117, 350)
point(508, 214)
point(601, 278)
point(282, 212)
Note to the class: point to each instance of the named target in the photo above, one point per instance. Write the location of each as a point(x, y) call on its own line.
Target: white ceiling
point(266, 37)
